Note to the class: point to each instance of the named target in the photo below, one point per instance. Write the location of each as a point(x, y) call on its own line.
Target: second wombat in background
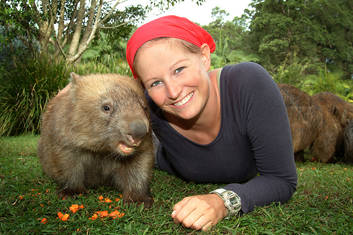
point(348, 142)
point(98, 133)
point(305, 118)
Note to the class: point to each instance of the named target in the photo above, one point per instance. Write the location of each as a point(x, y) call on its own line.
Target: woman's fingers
point(199, 212)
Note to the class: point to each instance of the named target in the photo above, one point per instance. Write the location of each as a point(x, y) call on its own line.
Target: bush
point(25, 89)
point(329, 81)
point(107, 64)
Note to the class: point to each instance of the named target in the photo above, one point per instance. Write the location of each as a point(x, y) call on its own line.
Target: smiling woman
point(227, 125)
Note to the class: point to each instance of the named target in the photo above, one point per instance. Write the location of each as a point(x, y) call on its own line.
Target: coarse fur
point(305, 118)
point(348, 142)
point(317, 123)
point(336, 115)
point(98, 133)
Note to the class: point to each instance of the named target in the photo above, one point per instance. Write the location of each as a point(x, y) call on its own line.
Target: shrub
point(25, 89)
point(107, 64)
point(329, 81)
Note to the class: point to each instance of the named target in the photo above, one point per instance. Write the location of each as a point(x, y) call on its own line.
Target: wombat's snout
point(137, 130)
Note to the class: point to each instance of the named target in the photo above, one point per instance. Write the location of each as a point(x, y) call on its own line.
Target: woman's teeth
point(185, 100)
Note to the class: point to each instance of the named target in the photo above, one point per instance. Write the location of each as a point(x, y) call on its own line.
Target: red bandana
point(167, 26)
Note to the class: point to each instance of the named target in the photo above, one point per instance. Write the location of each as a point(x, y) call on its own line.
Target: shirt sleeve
point(267, 127)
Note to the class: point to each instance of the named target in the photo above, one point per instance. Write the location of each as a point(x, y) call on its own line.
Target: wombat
point(348, 142)
point(305, 118)
point(336, 115)
point(98, 133)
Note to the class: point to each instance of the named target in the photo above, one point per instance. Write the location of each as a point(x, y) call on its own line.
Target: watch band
point(231, 200)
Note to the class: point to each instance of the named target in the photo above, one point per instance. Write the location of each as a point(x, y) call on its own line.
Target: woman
point(227, 125)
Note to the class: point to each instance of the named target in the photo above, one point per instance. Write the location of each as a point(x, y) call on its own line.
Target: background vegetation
point(304, 43)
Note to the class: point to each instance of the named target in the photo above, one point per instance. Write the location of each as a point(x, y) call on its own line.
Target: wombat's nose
point(138, 129)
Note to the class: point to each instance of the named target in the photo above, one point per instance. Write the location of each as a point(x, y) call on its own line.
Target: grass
point(322, 204)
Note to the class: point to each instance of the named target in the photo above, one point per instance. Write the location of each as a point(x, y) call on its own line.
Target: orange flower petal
point(102, 213)
point(94, 217)
point(60, 215)
point(74, 208)
point(20, 197)
point(100, 198)
point(65, 217)
point(114, 213)
point(44, 221)
point(107, 200)
point(121, 215)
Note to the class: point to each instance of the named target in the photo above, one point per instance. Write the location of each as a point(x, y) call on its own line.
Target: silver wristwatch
point(231, 200)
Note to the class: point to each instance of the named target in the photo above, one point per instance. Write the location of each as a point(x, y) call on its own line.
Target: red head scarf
point(167, 26)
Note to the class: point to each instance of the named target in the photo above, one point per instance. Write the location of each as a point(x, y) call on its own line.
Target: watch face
point(233, 200)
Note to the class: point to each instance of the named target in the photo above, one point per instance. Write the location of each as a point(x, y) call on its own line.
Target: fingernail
point(173, 213)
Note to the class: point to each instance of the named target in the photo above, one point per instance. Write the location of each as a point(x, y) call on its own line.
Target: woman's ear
point(206, 56)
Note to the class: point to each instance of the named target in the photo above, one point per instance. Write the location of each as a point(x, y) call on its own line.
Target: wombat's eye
point(106, 108)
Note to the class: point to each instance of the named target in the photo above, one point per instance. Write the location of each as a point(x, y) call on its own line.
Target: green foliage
point(105, 64)
point(322, 204)
point(328, 81)
point(319, 30)
point(293, 70)
point(313, 79)
point(104, 49)
point(16, 23)
point(24, 92)
point(230, 40)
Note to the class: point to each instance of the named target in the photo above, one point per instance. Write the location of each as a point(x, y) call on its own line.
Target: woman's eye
point(178, 70)
point(156, 83)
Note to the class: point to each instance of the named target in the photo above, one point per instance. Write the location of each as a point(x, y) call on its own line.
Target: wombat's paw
point(146, 200)
point(67, 192)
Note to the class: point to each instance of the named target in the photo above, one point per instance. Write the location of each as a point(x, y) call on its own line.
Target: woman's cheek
point(157, 96)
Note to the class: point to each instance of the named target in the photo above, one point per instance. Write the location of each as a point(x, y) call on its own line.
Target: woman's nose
point(173, 89)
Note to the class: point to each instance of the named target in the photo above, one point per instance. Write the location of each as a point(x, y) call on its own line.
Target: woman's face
point(176, 79)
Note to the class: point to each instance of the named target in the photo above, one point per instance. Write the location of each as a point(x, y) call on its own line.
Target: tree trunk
point(76, 36)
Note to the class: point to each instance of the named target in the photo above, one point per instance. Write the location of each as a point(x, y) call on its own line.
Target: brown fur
point(317, 123)
point(348, 142)
point(336, 115)
point(305, 118)
point(80, 143)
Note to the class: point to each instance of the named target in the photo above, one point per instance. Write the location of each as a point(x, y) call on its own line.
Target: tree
point(229, 37)
point(68, 27)
point(316, 31)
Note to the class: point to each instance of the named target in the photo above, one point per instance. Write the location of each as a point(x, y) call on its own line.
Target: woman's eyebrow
point(177, 62)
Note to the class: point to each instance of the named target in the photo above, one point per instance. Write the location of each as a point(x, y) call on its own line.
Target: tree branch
point(110, 12)
point(76, 36)
point(85, 44)
point(116, 26)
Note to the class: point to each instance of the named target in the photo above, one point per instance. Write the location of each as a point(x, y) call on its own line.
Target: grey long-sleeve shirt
point(252, 153)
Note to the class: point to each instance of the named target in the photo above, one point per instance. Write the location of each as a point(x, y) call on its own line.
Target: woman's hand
point(200, 211)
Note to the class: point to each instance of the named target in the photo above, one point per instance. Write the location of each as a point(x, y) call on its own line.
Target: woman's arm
point(269, 133)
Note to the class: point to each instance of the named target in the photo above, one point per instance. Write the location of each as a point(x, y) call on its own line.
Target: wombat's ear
point(74, 77)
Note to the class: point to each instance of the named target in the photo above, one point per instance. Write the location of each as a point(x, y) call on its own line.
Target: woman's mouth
point(185, 100)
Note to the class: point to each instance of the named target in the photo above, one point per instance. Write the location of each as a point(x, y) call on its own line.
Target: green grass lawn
point(322, 204)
